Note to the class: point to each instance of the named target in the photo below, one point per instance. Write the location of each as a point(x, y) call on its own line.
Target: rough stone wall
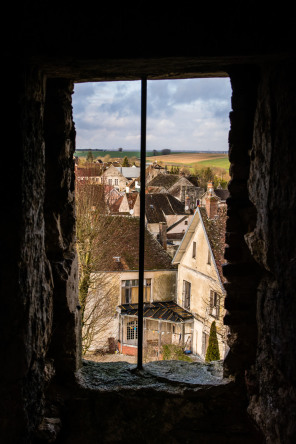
point(60, 224)
point(39, 317)
point(26, 280)
point(241, 270)
point(261, 295)
point(272, 243)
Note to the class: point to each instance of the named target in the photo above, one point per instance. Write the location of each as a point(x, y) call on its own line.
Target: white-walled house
point(116, 285)
point(200, 289)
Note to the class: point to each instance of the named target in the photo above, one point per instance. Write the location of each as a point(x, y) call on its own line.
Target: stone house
point(164, 208)
point(200, 287)
point(178, 186)
point(153, 170)
point(117, 275)
point(112, 176)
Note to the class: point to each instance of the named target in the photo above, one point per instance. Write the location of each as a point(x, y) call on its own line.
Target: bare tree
point(96, 293)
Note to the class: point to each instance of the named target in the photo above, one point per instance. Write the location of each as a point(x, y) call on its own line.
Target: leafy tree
point(125, 162)
point(89, 156)
point(174, 170)
point(213, 353)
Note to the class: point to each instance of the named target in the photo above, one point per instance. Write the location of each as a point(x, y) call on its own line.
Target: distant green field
point(97, 153)
point(212, 163)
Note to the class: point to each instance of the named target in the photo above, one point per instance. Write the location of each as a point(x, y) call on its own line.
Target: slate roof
point(119, 237)
point(166, 311)
point(129, 172)
point(164, 180)
point(222, 194)
point(159, 205)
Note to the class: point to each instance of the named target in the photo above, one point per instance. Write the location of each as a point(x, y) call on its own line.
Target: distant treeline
point(161, 152)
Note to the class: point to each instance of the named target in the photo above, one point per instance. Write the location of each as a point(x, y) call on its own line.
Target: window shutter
point(218, 307)
point(211, 299)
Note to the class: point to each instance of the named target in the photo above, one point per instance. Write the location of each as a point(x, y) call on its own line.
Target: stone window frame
point(244, 82)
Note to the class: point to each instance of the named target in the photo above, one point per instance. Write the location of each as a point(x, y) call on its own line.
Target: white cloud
point(189, 114)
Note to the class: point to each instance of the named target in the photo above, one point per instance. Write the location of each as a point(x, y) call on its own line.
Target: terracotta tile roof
point(93, 171)
point(159, 205)
point(114, 208)
point(167, 311)
point(131, 199)
point(215, 229)
point(119, 237)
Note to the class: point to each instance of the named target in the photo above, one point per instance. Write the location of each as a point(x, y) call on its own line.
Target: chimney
point(210, 187)
point(187, 204)
point(211, 202)
point(163, 234)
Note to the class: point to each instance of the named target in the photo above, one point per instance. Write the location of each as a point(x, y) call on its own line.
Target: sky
point(189, 114)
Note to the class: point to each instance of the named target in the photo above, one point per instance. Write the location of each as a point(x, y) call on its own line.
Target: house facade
point(200, 287)
point(113, 177)
point(116, 285)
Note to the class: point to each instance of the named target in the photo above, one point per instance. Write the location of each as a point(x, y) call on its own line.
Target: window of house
point(130, 288)
point(194, 250)
point(116, 181)
point(209, 258)
point(110, 181)
point(214, 304)
point(186, 295)
point(132, 330)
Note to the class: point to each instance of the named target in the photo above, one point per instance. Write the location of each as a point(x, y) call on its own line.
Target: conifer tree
point(125, 162)
point(213, 353)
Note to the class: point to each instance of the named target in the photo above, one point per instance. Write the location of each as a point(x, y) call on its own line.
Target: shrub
point(213, 353)
point(174, 352)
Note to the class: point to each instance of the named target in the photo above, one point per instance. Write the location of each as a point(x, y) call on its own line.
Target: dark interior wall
point(39, 316)
point(272, 244)
point(26, 283)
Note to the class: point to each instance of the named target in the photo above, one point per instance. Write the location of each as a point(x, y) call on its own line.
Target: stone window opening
point(129, 294)
point(259, 302)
